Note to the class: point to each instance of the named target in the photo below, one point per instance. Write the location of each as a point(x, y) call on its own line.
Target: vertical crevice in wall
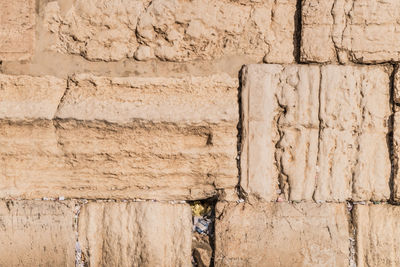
point(78, 252)
point(389, 138)
point(352, 235)
point(239, 189)
point(203, 243)
point(297, 31)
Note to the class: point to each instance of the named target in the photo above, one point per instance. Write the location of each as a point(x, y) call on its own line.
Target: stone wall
point(199, 133)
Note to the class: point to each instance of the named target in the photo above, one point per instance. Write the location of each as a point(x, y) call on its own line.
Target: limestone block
point(25, 97)
point(17, 29)
point(100, 160)
point(130, 138)
point(176, 30)
point(281, 234)
point(37, 233)
point(136, 234)
point(361, 31)
point(377, 235)
point(120, 100)
point(315, 133)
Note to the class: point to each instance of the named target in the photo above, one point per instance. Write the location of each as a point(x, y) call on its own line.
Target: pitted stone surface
point(136, 234)
point(177, 30)
point(281, 234)
point(361, 31)
point(315, 133)
point(17, 29)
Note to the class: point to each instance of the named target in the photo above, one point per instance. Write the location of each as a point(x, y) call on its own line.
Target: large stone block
point(179, 100)
point(175, 30)
point(316, 133)
point(136, 234)
point(98, 160)
point(126, 138)
point(17, 29)
point(26, 97)
point(361, 31)
point(377, 235)
point(37, 233)
point(282, 234)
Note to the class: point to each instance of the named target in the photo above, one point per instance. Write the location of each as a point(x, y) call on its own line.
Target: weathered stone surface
point(175, 30)
point(281, 234)
point(355, 106)
point(396, 156)
point(17, 29)
point(95, 29)
point(191, 99)
point(202, 251)
point(377, 235)
point(26, 97)
point(315, 132)
point(147, 138)
point(37, 233)
point(396, 81)
point(100, 160)
point(135, 234)
point(361, 31)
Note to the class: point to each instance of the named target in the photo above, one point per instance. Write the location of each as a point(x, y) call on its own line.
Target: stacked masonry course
point(116, 115)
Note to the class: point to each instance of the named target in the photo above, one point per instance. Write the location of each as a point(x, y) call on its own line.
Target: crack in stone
point(390, 137)
point(320, 128)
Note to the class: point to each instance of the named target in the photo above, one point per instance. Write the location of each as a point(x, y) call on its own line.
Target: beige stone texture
point(201, 249)
point(37, 233)
point(179, 100)
point(361, 31)
point(100, 160)
point(377, 235)
point(130, 138)
point(396, 86)
point(355, 103)
point(315, 133)
point(282, 234)
point(176, 30)
point(17, 29)
point(396, 137)
point(135, 234)
point(396, 155)
point(25, 97)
